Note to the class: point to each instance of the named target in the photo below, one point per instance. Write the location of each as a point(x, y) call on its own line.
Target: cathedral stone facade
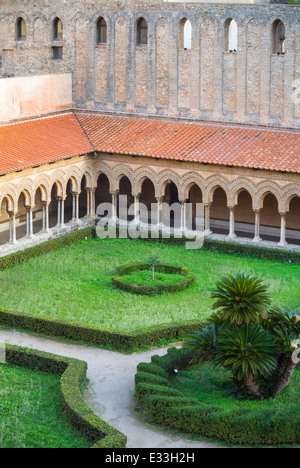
point(217, 66)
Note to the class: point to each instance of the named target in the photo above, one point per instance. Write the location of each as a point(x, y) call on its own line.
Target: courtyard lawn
point(31, 411)
point(74, 283)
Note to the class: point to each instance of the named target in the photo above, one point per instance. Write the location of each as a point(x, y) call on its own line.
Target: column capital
point(114, 192)
point(13, 213)
point(89, 189)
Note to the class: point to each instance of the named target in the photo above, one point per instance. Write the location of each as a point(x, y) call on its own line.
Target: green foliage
point(241, 299)
point(205, 340)
point(72, 373)
point(246, 350)
point(153, 262)
point(256, 344)
point(134, 278)
point(95, 335)
point(200, 404)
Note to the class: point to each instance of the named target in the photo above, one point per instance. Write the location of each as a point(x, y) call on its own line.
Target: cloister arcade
point(236, 209)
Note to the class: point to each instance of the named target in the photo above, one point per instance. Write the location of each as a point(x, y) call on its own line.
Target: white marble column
point(62, 222)
point(12, 227)
point(283, 241)
point(58, 212)
point(91, 211)
point(29, 222)
point(232, 234)
point(207, 218)
point(114, 197)
point(77, 220)
point(158, 212)
point(183, 216)
point(136, 209)
point(257, 237)
point(45, 216)
point(73, 207)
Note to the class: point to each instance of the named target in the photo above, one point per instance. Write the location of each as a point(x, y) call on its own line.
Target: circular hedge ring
point(184, 280)
point(171, 407)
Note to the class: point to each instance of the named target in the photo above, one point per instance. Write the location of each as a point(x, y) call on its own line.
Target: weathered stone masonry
point(254, 85)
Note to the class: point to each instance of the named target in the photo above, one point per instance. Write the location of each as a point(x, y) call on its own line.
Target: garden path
point(110, 389)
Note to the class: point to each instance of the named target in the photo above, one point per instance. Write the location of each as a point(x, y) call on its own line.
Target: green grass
point(213, 385)
point(145, 278)
point(74, 283)
point(31, 411)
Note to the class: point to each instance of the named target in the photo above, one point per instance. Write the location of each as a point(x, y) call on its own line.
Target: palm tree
point(241, 299)
point(284, 324)
point(249, 351)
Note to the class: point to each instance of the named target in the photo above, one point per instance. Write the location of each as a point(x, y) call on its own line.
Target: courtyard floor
point(110, 389)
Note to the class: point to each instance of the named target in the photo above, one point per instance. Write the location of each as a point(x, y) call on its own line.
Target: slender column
point(232, 234)
point(77, 207)
point(88, 204)
point(73, 207)
point(29, 222)
point(91, 202)
point(45, 216)
point(136, 209)
point(58, 212)
point(62, 212)
point(283, 230)
point(257, 237)
point(12, 227)
point(29, 210)
point(183, 216)
point(114, 197)
point(159, 214)
point(207, 218)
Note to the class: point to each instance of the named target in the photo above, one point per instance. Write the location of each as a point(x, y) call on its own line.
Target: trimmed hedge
point(184, 282)
point(169, 407)
point(108, 338)
point(96, 335)
point(46, 247)
point(73, 373)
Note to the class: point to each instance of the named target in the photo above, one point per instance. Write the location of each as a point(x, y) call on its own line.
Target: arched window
point(101, 31)
point(21, 29)
point(57, 29)
point(185, 34)
point(278, 37)
point(231, 35)
point(142, 32)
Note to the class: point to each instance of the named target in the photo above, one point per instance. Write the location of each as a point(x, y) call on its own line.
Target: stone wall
point(252, 85)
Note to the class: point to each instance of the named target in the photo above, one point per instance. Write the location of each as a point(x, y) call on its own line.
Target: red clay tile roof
point(41, 141)
point(277, 150)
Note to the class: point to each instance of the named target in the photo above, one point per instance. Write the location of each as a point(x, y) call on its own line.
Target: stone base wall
point(253, 85)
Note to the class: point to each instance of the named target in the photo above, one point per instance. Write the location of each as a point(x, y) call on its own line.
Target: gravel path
point(110, 389)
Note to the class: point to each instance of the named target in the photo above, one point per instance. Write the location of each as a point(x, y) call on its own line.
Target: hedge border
point(45, 247)
point(109, 338)
point(73, 373)
point(95, 335)
point(184, 282)
point(168, 407)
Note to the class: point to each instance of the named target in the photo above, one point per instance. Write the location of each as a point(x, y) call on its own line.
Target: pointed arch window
point(21, 29)
point(101, 31)
point(57, 29)
point(231, 35)
point(142, 32)
point(185, 34)
point(278, 37)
